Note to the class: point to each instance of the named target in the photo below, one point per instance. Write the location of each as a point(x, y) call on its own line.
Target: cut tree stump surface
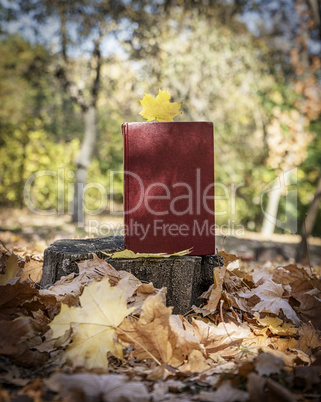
point(184, 277)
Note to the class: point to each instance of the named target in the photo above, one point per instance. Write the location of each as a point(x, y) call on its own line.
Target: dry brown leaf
point(255, 387)
point(97, 268)
point(68, 289)
point(226, 392)
point(309, 309)
point(157, 335)
point(33, 391)
point(196, 363)
point(306, 377)
point(272, 300)
point(4, 396)
point(288, 274)
point(278, 392)
point(308, 340)
point(12, 270)
point(276, 326)
point(261, 388)
point(267, 364)
point(32, 270)
point(262, 273)
point(228, 257)
point(16, 299)
point(92, 387)
point(214, 294)
point(18, 339)
point(217, 339)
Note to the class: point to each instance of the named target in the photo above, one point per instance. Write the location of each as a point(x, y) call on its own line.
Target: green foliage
point(40, 160)
point(207, 60)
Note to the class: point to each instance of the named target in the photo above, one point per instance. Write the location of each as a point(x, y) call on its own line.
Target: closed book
point(169, 187)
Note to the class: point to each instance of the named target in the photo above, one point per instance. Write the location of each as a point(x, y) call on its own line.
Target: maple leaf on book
point(160, 109)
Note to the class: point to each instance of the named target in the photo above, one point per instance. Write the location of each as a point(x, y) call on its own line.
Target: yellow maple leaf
point(103, 309)
point(130, 254)
point(276, 325)
point(161, 108)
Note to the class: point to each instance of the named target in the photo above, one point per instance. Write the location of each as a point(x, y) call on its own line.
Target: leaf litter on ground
point(258, 324)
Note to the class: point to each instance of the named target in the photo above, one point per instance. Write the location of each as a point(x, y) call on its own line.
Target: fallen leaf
point(226, 392)
point(272, 301)
point(307, 341)
point(12, 270)
point(267, 364)
point(128, 254)
point(92, 387)
point(97, 269)
point(276, 325)
point(157, 335)
point(219, 338)
point(228, 258)
point(32, 270)
point(103, 309)
point(214, 294)
point(33, 391)
point(261, 388)
point(19, 298)
point(161, 108)
point(309, 309)
point(4, 396)
point(277, 392)
point(18, 339)
point(68, 289)
point(196, 363)
point(255, 387)
point(306, 377)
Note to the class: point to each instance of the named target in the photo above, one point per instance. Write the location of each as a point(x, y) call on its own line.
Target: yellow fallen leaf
point(276, 325)
point(157, 334)
point(196, 363)
point(103, 309)
point(161, 108)
point(128, 254)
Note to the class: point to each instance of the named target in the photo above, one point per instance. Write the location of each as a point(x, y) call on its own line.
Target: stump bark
point(184, 277)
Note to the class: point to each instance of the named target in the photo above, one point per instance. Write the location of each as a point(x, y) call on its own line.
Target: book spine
point(126, 182)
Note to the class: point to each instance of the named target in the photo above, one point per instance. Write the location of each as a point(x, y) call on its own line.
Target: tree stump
point(184, 277)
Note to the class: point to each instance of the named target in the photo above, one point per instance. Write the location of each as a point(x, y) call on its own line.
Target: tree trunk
point(268, 225)
point(274, 194)
point(309, 223)
point(83, 161)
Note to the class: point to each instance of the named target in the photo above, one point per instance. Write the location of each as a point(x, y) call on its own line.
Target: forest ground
point(256, 336)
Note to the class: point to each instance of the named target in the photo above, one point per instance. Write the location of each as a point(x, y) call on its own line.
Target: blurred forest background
point(72, 71)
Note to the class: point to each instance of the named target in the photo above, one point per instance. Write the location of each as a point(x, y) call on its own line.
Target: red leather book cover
point(169, 187)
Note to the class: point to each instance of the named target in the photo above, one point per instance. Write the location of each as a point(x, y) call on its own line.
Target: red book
point(169, 187)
